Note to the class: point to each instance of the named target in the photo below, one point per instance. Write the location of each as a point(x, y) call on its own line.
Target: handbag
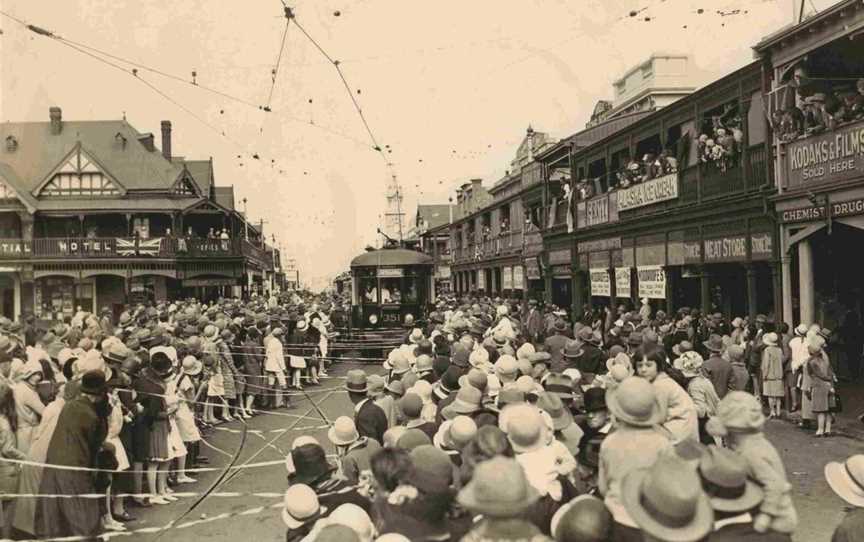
point(834, 403)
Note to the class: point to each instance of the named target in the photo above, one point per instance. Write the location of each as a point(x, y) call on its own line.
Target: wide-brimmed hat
point(498, 488)
point(456, 433)
point(552, 405)
point(560, 385)
point(93, 383)
point(343, 432)
point(433, 470)
point(355, 381)
point(161, 364)
point(714, 343)
point(467, 401)
point(724, 479)
point(572, 349)
point(310, 464)
point(667, 501)
point(634, 402)
point(396, 388)
point(411, 405)
point(847, 479)
point(423, 364)
point(192, 366)
point(770, 339)
point(524, 427)
point(506, 366)
point(801, 330)
point(375, 385)
point(559, 325)
point(416, 335)
point(301, 506)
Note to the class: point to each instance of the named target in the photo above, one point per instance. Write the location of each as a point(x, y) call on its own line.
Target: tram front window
point(370, 291)
point(391, 292)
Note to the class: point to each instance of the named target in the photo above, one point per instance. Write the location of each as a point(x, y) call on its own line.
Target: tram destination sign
point(830, 157)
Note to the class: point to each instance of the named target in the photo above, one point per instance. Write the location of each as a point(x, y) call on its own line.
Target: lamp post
point(245, 220)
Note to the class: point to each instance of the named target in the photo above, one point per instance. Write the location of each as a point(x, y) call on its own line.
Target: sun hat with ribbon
point(191, 365)
point(847, 479)
point(343, 432)
point(455, 434)
point(498, 488)
point(301, 506)
point(667, 501)
point(724, 480)
point(690, 364)
point(355, 381)
point(552, 405)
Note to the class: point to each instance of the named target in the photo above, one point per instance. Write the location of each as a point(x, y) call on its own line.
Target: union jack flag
point(139, 247)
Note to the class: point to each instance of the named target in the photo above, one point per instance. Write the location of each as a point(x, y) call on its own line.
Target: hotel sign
point(829, 157)
point(648, 193)
point(15, 249)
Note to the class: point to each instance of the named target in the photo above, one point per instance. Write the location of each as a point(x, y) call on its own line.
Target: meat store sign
point(830, 157)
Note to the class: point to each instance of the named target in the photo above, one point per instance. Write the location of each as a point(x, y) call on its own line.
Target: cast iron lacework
point(79, 176)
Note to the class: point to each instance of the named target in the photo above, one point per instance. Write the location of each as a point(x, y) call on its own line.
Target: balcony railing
point(127, 247)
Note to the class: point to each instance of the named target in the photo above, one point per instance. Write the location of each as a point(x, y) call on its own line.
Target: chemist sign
point(652, 281)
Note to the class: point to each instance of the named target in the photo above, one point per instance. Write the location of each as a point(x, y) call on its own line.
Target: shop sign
point(390, 273)
point(830, 157)
point(507, 278)
point(692, 252)
point(599, 245)
point(14, 249)
point(561, 270)
point(622, 282)
point(559, 256)
point(518, 277)
point(532, 269)
point(598, 210)
point(761, 246)
point(648, 193)
point(652, 281)
point(601, 286)
point(813, 213)
point(189, 283)
point(726, 249)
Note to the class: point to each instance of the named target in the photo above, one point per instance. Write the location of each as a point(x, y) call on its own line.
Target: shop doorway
point(728, 290)
point(561, 293)
point(837, 272)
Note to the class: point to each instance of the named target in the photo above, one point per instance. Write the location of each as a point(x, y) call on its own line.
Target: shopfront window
point(56, 297)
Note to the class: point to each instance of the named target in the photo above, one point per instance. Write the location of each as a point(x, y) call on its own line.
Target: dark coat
point(76, 442)
point(371, 421)
point(719, 372)
point(592, 360)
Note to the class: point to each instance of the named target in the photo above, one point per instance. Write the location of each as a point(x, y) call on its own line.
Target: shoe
point(322, 372)
point(818, 435)
point(159, 500)
point(170, 498)
point(125, 517)
point(186, 480)
point(111, 525)
point(141, 503)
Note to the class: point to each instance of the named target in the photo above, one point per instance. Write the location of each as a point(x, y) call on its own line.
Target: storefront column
point(578, 279)
point(806, 284)
point(547, 285)
point(777, 302)
point(786, 277)
point(752, 293)
point(670, 289)
point(705, 291)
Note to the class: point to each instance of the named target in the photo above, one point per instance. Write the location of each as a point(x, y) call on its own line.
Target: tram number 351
point(392, 318)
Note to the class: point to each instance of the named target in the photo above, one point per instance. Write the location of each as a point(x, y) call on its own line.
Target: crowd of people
point(491, 421)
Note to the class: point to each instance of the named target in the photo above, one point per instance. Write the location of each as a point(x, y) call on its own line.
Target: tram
point(387, 286)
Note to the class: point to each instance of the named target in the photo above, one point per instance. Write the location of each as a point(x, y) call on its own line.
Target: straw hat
point(343, 432)
point(634, 402)
point(724, 479)
point(498, 488)
point(355, 381)
point(770, 339)
point(552, 405)
point(524, 428)
point(456, 433)
point(467, 401)
point(301, 506)
point(714, 343)
point(416, 335)
point(667, 501)
point(690, 364)
point(847, 479)
point(191, 365)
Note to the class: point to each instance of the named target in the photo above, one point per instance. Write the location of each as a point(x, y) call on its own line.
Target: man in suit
point(368, 417)
point(717, 368)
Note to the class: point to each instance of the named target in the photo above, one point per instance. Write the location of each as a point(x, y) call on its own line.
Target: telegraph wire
point(279, 58)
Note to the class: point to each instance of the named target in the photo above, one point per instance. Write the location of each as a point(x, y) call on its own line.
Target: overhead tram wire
point(279, 59)
point(94, 53)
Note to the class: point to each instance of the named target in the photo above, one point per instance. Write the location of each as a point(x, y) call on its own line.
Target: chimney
point(56, 116)
point(476, 184)
point(166, 139)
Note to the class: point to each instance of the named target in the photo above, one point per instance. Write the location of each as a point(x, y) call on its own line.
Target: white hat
point(847, 479)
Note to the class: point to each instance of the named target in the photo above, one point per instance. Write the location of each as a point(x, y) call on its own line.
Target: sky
point(448, 89)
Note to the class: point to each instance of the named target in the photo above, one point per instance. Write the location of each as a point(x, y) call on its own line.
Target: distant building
point(652, 84)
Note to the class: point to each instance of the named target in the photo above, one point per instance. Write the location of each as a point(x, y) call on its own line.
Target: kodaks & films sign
point(833, 156)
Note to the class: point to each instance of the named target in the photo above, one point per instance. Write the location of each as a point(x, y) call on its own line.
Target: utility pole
point(245, 221)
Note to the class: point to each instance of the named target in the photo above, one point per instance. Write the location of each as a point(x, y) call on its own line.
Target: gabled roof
point(224, 196)
point(433, 215)
point(113, 143)
point(202, 172)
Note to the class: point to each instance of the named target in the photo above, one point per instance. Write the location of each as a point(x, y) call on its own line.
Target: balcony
point(127, 247)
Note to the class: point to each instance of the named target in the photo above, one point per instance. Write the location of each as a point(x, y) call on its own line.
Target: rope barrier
point(93, 469)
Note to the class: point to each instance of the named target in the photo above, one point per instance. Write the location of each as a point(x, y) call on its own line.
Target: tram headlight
point(373, 319)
